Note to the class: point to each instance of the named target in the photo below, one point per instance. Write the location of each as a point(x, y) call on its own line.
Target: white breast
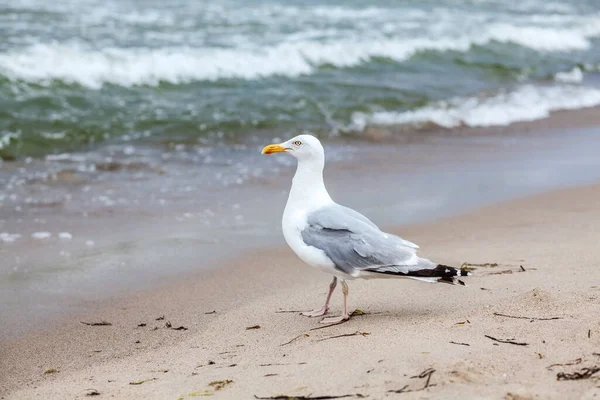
point(293, 222)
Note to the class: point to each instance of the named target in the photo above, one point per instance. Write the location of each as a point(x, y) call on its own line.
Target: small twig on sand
point(297, 337)
point(180, 328)
point(271, 364)
point(509, 341)
point(101, 323)
point(249, 328)
point(287, 311)
point(357, 333)
point(290, 397)
point(584, 373)
point(210, 312)
point(522, 269)
point(462, 344)
point(328, 325)
point(218, 385)
point(574, 362)
point(425, 374)
point(142, 381)
point(467, 265)
point(403, 389)
point(531, 318)
point(506, 271)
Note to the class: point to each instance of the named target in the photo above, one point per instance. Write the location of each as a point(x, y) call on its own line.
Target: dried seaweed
point(142, 381)
point(196, 394)
point(253, 327)
point(180, 328)
point(471, 266)
point(294, 339)
point(290, 397)
point(574, 362)
point(506, 271)
point(287, 311)
point(357, 333)
point(531, 318)
point(160, 318)
point(210, 312)
point(271, 364)
point(508, 341)
point(50, 371)
point(461, 344)
point(425, 374)
point(100, 323)
point(329, 325)
point(92, 392)
point(583, 373)
point(218, 385)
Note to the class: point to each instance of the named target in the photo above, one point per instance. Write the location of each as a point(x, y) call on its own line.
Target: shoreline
point(133, 243)
point(272, 279)
point(470, 174)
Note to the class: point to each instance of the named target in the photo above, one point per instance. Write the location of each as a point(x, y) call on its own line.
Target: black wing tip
point(452, 281)
point(441, 273)
point(453, 270)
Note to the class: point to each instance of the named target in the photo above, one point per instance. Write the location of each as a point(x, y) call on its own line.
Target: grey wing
point(354, 244)
point(336, 216)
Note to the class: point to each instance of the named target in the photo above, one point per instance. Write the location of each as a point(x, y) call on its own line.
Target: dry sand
point(408, 327)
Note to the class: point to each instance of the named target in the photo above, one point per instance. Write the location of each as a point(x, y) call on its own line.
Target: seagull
point(339, 240)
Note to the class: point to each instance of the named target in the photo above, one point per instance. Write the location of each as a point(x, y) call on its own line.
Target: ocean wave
point(575, 75)
point(73, 63)
point(527, 103)
point(7, 138)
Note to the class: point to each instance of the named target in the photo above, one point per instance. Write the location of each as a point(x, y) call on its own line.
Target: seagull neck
point(308, 188)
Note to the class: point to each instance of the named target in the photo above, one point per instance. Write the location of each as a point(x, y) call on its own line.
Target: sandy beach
point(542, 297)
point(142, 252)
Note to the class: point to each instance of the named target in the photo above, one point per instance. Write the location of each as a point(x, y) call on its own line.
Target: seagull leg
point(325, 309)
point(345, 316)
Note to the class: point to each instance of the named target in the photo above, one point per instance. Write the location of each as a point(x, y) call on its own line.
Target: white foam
point(543, 39)
point(573, 76)
point(9, 237)
point(293, 55)
point(7, 138)
point(527, 103)
point(65, 236)
point(41, 235)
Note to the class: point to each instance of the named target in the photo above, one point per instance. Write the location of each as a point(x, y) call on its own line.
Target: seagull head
point(303, 147)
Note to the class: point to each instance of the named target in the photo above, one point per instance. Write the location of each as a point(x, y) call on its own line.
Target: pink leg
point(322, 311)
point(345, 316)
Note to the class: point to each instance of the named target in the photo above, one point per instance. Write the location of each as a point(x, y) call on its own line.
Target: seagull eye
point(298, 143)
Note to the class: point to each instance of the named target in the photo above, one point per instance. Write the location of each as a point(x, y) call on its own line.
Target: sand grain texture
point(408, 327)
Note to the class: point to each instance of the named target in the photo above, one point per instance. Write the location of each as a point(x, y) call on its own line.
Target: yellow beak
point(273, 148)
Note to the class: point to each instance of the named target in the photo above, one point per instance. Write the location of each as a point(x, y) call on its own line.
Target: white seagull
point(339, 240)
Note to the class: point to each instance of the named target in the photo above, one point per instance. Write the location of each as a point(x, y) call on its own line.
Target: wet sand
point(543, 293)
point(172, 271)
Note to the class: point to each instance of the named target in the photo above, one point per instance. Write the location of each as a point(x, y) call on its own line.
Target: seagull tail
point(440, 273)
